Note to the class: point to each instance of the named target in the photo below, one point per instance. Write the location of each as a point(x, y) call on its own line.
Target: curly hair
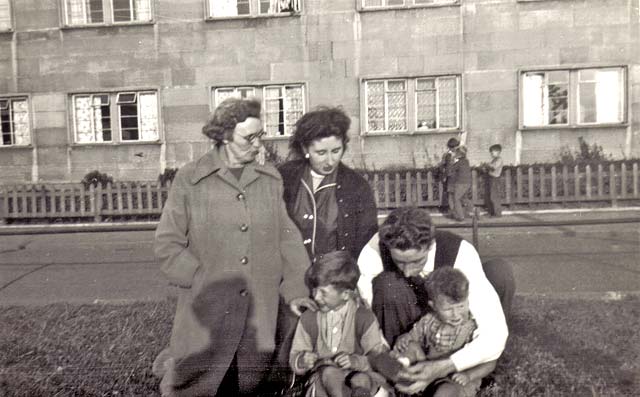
point(322, 122)
point(449, 282)
point(407, 228)
point(336, 268)
point(229, 112)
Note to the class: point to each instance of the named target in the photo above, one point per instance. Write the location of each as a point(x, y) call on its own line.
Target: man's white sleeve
point(491, 336)
point(370, 265)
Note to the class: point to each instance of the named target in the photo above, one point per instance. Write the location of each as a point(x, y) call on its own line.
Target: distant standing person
point(445, 163)
point(458, 184)
point(332, 205)
point(494, 187)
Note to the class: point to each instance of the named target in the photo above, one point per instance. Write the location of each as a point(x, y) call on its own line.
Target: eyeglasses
point(252, 137)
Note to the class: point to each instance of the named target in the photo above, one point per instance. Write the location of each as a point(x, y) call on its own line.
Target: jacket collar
point(213, 162)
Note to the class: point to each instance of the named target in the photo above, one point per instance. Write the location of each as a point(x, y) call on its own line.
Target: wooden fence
point(530, 186)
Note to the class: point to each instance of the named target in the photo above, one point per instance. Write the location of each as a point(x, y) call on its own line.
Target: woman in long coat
point(226, 240)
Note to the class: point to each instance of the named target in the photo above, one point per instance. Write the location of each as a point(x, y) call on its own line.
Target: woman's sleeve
point(171, 242)
point(294, 256)
point(367, 223)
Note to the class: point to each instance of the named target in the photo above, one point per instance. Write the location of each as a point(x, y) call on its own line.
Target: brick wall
point(330, 47)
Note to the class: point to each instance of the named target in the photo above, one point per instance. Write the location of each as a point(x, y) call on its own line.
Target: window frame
point(108, 13)
point(114, 112)
point(259, 93)
point(11, 16)
point(411, 106)
point(254, 12)
point(30, 121)
point(407, 5)
point(573, 101)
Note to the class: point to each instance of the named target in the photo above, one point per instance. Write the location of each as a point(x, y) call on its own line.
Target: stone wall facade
point(332, 47)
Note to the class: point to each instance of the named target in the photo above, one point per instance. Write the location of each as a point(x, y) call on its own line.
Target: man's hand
point(427, 371)
point(307, 360)
point(346, 361)
point(460, 378)
point(297, 304)
point(412, 388)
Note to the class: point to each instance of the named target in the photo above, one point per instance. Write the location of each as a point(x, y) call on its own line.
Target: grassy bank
point(557, 347)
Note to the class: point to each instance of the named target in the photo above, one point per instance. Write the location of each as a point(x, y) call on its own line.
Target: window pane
point(229, 8)
point(81, 12)
point(142, 10)
point(222, 94)
point(448, 102)
point(148, 117)
point(294, 107)
point(274, 111)
point(426, 103)
point(265, 7)
point(601, 95)
point(83, 119)
point(5, 15)
point(375, 106)
point(397, 105)
point(129, 122)
point(373, 3)
point(122, 11)
point(395, 2)
point(533, 99)
point(20, 122)
point(5, 122)
point(558, 103)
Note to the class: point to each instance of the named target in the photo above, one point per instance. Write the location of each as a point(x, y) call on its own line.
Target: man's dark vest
point(447, 246)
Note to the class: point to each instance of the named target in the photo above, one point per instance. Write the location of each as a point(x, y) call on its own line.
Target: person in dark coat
point(226, 240)
point(332, 205)
point(459, 184)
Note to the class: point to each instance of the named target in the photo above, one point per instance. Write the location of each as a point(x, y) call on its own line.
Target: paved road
point(84, 267)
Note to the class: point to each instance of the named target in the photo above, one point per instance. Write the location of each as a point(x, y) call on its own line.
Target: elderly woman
point(226, 240)
point(331, 204)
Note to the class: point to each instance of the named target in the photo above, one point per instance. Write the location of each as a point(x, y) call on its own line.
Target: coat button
point(346, 234)
point(244, 260)
point(240, 196)
point(343, 248)
point(244, 227)
point(346, 215)
point(244, 292)
point(340, 200)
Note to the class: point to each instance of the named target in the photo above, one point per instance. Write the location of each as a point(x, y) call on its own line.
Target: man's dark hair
point(497, 147)
point(407, 228)
point(449, 282)
point(336, 268)
point(322, 122)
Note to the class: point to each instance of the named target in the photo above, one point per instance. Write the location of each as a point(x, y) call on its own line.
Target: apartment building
point(124, 86)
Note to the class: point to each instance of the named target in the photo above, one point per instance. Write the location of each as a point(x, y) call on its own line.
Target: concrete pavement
point(587, 260)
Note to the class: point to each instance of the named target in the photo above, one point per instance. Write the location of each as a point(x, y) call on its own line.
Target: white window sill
point(259, 16)
point(6, 31)
point(275, 138)
point(120, 143)
point(573, 127)
point(411, 133)
point(13, 147)
point(107, 25)
point(407, 7)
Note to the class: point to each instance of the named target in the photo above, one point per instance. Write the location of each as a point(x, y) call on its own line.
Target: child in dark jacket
point(494, 187)
point(459, 184)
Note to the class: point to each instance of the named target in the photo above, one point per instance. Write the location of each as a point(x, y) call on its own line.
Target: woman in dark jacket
point(332, 205)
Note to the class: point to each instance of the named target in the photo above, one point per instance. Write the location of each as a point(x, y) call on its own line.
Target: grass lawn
point(557, 347)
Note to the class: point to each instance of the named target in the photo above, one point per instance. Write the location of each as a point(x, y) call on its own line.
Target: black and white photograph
point(320, 198)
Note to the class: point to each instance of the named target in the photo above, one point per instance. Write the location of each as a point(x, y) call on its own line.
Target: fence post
point(3, 204)
point(612, 186)
point(474, 228)
point(97, 201)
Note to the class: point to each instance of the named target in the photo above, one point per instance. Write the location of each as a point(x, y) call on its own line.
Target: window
point(247, 8)
point(573, 97)
point(133, 116)
point(88, 12)
point(282, 105)
point(5, 15)
point(14, 119)
point(403, 3)
point(435, 104)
